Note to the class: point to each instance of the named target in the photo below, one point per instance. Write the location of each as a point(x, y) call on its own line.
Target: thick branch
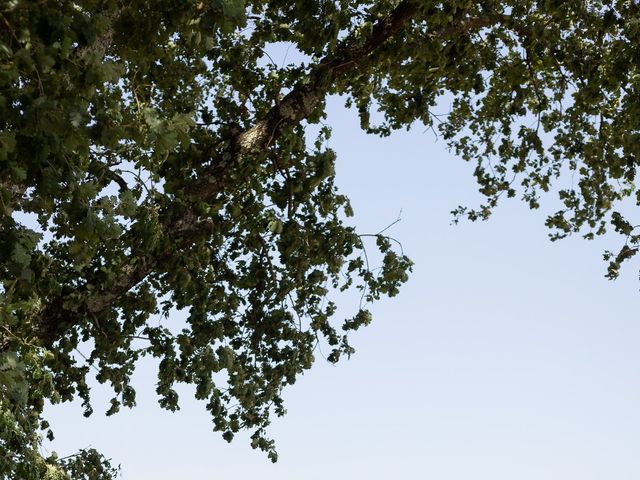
point(293, 108)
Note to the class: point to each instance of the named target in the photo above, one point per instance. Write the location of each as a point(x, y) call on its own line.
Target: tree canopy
point(153, 159)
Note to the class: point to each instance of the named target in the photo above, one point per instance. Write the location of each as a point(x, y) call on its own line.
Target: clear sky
point(505, 357)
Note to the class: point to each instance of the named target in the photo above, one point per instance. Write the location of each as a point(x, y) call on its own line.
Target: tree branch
point(294, 107)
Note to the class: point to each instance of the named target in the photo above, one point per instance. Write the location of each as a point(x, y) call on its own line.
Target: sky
point(506, 356)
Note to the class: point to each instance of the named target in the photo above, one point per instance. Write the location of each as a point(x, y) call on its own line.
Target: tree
point(153, 158)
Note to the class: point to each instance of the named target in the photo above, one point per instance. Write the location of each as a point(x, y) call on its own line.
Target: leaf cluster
point(155, 159)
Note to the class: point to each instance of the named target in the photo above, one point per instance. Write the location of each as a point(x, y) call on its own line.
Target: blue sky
point(505, 357)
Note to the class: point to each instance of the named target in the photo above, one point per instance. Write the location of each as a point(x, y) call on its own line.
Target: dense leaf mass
point(154, 158)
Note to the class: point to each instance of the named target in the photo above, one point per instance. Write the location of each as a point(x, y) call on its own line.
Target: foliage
point(167, 164)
